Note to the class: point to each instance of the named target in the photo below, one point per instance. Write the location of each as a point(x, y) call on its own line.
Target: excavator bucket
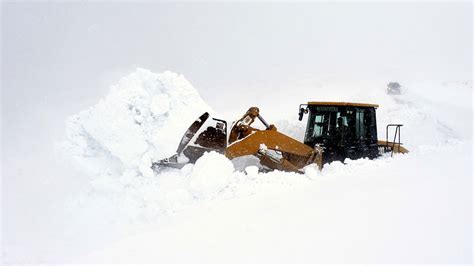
point(204, 134)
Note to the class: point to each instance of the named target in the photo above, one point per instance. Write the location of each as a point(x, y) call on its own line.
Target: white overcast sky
point(58, 58)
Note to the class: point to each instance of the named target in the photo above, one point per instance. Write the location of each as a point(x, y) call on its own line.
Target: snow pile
point(407, 209)
point(144, 116)
point(140, 120)
point(222, 211)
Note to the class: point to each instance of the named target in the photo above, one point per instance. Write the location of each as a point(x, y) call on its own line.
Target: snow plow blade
point(205, 134)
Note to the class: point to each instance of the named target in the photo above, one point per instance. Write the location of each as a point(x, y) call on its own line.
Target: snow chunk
point(252, 171)
point(211, 173)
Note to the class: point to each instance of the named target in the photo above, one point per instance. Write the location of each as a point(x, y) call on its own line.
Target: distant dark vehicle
point(394, 88)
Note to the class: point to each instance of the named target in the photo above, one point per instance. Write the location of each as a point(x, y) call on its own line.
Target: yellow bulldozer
point(334, 131)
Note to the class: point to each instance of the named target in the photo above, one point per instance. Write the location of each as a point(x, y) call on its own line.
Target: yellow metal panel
point(397, 148)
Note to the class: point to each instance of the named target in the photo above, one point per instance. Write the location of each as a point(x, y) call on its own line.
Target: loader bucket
point(188, 135)
point(202, 136)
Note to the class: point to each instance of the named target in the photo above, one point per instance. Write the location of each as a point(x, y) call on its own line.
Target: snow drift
point(143, 118)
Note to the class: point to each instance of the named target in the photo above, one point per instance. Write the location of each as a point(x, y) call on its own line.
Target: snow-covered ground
point(413, 208)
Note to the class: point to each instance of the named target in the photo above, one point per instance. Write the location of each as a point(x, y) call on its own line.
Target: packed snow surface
point(410, 208)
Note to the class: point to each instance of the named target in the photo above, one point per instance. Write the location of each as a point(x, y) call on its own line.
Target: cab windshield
point(328, 122)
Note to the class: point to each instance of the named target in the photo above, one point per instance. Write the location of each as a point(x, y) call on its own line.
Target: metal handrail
point(397, 132)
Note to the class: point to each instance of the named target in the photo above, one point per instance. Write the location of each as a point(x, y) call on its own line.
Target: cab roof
point(343, 104)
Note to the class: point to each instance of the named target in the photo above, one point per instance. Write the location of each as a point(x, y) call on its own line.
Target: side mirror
point(300, 114)
point(303, 110)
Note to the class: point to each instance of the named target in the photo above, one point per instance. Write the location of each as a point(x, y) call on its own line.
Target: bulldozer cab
point(343, 130)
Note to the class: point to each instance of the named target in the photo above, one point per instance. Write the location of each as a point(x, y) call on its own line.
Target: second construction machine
point(334, 131)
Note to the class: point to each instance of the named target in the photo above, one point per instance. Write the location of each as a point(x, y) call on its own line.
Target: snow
point(135, 124)
point(210, 175)
point(413, 208)
point(366, 212)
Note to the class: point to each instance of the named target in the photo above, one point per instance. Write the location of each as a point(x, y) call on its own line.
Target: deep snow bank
point(140, 120)
point(407, 209)
point(143, 118)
